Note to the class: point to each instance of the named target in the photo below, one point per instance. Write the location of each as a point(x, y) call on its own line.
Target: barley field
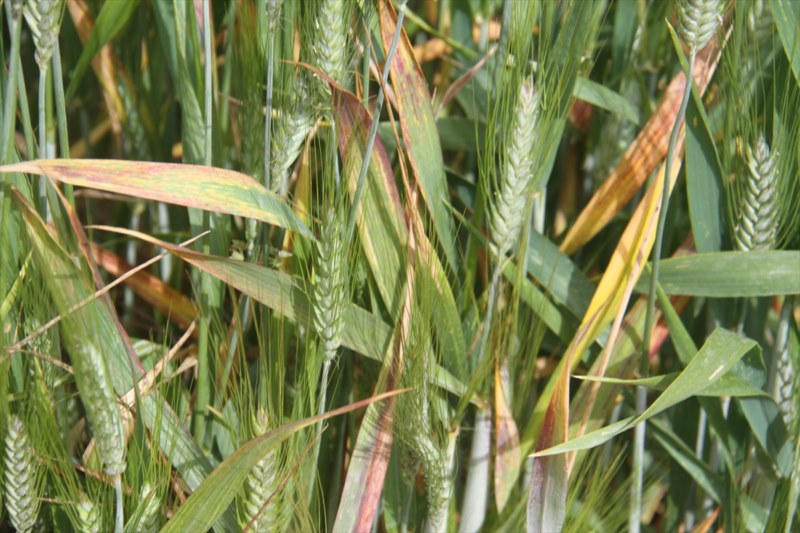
point(400, 265)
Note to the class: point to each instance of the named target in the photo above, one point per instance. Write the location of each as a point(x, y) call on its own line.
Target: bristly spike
point(330, 271)
point(44, 19)
point(757, 227)
point(22, 501)
point(330, 41)
point(698, 21)
point(507, 201)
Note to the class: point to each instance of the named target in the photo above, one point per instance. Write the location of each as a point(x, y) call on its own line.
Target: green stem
point(119, 524)
point(9, 117)
point(634, 523)
point(43, 137)
point(452, 43)
point(10, 95)
point(61, 115)
point(203, 398)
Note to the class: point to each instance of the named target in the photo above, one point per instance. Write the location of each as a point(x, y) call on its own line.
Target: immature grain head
point(89, 517)
point(757, 226)
point(94, 386)
point(330, 271)
point(329, 39)
point(507, 200)
point(273, 13)
point(150, 517)
point(22, 500)
point(44, 19)
point(261, 486)
point(698, 21)
point(289, 134)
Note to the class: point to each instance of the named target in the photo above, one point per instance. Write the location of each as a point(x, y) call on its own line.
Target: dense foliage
point(382, 265)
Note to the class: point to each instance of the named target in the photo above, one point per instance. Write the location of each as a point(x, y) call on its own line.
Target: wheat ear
point(150, 517)
point(507, 201)
point(288, 137)
point(89, 518)
point(758, 218)
point(22, 501)
point(330, 39)
point(261, 485)
point(44, 20)
point(94, 385)
point(698, 21)
point(330, 270)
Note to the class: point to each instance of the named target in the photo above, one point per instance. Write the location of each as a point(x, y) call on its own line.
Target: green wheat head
point(507, 200)
point(698, 21)
point(44, 20)
point(263, 506)
point(331, 282)
point(758, 217)
point(89, 517)
point(100, 401)
point(21, 490)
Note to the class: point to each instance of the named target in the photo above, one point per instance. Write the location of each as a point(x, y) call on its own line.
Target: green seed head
point(698, 21)
point(757, 226)
point(22, 501)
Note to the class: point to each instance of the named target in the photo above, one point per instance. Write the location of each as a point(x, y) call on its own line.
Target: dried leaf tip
point(698, 21)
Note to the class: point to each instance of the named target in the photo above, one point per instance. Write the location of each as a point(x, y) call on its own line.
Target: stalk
point(14, 12)
point(330, 298)
point(203, 358)
point(61, 115)
point(698, 20)
point(505, 209)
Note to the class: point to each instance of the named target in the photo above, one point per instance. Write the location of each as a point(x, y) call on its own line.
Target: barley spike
point(698, 21)
point(89, 517)
point(150, 518)
point(508, 200)
point(330, 285)
point(261, 483)
point(44, 19)
point(330, 39)
point(100, 401)
point(758, 217)
point(289, 135)
point(22, 502)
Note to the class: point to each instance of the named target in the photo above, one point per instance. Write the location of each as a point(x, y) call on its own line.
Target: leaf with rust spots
point(420, 134)
point(213, 189)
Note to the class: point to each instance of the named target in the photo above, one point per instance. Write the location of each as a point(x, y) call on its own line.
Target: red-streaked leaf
point(209, 188)
point(383, 235)
point(547, 499)
point(420, 135)
point(382, 229)
point(641, 157)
